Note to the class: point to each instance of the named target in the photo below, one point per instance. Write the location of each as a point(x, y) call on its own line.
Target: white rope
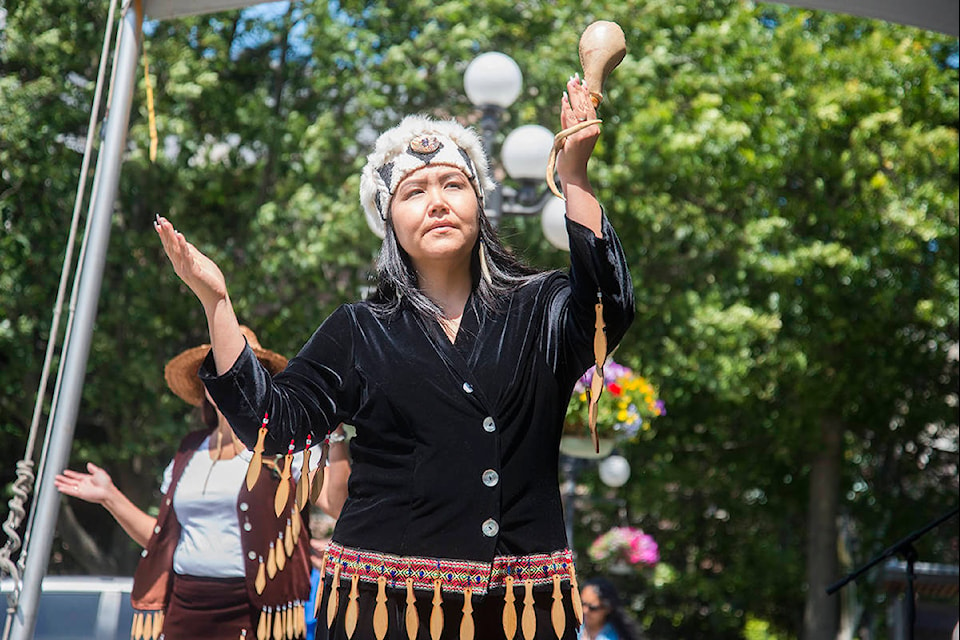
point(83, 250)
point(23, 486)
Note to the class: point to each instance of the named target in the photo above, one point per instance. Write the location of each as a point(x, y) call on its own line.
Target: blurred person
point(215, 563)
point(603, 615)
point(323, 519)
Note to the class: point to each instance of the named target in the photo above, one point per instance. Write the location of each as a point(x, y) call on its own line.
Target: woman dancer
point(456, 375)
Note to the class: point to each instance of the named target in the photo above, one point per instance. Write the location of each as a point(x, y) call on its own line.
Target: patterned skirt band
point(455, 576)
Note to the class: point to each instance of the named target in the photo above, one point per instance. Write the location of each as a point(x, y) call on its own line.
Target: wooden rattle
point(602, 47)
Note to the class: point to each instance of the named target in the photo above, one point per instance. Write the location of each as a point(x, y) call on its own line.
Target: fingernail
point(577, 76)
point(566, 97)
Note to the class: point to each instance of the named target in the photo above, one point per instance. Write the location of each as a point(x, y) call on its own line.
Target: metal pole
point(75, 359)
point(489, 125)
point(911, 603)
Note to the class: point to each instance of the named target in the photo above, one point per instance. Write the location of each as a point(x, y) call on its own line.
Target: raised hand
point(94, 486)
point(205, 279)
point(197, 271)
point(576, 107)
point(97, 486)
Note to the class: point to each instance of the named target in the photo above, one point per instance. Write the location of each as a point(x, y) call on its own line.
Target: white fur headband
point(416, 142)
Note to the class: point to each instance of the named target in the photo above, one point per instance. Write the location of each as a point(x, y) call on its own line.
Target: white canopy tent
point(934, 15)
point(167, 9)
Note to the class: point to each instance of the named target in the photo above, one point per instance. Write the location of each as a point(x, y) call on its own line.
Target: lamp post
point(492, 82)
point(614, 472)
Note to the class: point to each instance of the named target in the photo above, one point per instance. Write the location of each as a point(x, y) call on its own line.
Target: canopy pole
point(70, 385)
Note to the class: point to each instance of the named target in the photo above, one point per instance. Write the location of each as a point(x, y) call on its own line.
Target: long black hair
point(397, 279)
point(617, 617)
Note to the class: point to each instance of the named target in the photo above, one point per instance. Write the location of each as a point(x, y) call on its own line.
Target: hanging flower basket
point(624, 549)
point(628, 405)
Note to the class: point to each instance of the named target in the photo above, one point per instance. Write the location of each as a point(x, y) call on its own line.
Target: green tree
point(797, 178)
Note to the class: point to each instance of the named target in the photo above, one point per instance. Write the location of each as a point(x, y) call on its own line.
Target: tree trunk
point(83, 546)
point(820, 615)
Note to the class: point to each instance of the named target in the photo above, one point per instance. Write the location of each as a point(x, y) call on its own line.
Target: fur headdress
point(416, 142)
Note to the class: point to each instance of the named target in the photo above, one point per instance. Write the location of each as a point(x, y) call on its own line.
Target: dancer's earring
point(484, 268)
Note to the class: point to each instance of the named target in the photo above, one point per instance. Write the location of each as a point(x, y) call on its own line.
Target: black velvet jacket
point(456, 452)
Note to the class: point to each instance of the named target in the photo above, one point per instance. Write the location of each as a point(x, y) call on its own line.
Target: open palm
point(198, 272)
point(94, 486)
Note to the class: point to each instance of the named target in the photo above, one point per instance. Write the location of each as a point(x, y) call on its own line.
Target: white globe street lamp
point(614, 471)
point(526, 151)
point(553, 222)
point(492, 82)
point(493, 79)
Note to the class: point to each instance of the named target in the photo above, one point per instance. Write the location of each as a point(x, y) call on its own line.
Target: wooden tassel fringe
point(575, 595)
point(272, 561)
point(509, 611)
point(283, 488)
point(596, 384)
point(303, 484)
point(278, 624)
point(320, 585)
point(466, 621)
point(436, 614)
point(253, 471)
point(333, 603)
point(380, 611)
point(147, 625)
point(528, 621)
point(557, 615)
point(411, 617)
point(352, 613)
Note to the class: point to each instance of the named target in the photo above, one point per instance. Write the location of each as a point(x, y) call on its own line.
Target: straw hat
point(181, 372)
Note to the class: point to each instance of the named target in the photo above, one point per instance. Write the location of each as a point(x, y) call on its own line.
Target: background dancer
point(215, 560)
point(322, 521)
point(603, 615)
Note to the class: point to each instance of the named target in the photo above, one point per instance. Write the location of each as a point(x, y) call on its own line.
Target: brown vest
point(262, 535)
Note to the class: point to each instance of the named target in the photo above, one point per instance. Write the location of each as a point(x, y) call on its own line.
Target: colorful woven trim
point(455, 575)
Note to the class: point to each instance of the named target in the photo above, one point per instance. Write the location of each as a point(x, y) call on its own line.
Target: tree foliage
point(785, 184)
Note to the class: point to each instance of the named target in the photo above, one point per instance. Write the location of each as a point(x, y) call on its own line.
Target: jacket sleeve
point(318, 390)
point(598, 272)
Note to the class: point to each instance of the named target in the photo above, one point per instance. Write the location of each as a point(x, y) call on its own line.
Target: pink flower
point(643, 549)
point(625, 543)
